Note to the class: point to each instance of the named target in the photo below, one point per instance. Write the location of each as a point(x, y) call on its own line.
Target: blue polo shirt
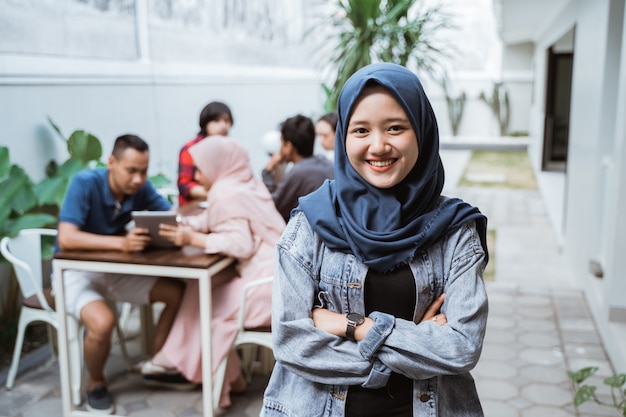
point(89, 203)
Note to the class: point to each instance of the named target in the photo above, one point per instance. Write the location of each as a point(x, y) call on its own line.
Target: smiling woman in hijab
point(379, 306)
point(240, 221)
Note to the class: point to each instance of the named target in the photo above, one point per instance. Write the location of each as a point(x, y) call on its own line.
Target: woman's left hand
point(179, 235)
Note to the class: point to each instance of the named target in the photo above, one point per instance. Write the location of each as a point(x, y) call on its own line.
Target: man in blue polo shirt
point(94, 216)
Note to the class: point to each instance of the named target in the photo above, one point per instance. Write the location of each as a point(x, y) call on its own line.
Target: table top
point(186, 257)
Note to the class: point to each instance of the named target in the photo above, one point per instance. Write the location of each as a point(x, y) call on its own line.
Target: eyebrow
point(390, 120)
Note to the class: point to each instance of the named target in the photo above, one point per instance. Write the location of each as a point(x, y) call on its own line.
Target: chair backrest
point(24, 253)
point(244, 298)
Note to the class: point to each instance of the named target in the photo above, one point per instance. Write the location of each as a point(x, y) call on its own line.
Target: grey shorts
point(83, 287)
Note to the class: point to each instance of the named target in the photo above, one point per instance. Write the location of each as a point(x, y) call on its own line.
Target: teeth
point(380, 163)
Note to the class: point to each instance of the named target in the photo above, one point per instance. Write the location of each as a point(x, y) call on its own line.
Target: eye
point(359, 131)
point(397, 128)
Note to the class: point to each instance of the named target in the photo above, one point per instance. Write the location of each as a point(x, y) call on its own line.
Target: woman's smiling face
point(380, 142)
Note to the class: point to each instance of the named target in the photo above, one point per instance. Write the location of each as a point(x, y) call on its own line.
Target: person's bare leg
point(170, 292)
point(99, 322)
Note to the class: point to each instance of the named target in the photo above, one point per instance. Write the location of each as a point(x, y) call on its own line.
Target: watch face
point(355, 318)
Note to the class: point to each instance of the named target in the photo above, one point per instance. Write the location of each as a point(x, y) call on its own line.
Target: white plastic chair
point(257, 337)
point(24, 253)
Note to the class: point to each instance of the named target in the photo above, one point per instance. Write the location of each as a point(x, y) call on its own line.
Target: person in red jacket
point(215, 119)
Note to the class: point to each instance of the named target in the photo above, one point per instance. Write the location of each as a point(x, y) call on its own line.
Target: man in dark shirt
point(297, 142)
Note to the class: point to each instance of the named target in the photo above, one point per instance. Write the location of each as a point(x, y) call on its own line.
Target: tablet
point(151, 220)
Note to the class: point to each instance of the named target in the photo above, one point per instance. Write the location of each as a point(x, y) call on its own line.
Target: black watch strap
point(353, 320)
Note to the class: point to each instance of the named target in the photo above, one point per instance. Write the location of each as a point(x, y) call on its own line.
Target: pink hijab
point(235, 192)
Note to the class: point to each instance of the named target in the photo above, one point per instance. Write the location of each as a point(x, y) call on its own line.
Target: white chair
point(24, 253)
point(255, 337)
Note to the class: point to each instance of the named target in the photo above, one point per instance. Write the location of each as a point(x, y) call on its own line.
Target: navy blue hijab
point(385, 228)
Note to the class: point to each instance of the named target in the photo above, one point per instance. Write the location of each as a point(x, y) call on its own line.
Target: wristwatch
point(353, 320)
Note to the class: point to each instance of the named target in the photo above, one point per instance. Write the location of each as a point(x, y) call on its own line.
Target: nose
point(139, 178)
point(378, 143)
point(224, 126)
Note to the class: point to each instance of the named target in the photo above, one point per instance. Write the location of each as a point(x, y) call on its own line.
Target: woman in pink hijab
point(240, 221)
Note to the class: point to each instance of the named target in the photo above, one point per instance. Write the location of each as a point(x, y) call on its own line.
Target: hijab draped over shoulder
point(235, 192)
point(385, 228)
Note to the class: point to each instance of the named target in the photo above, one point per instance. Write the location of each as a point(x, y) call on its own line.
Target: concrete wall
point(591, 196)
point(158, 102)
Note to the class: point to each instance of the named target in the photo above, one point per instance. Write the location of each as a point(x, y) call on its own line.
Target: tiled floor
point(539, 327)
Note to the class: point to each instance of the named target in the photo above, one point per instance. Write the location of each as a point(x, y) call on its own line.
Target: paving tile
point(537, 325)
point(45, 407)
point(11, 402)
point(585, 351)
point(490, 368)
point(493, 389)
point(498, 352)
point(540, 339)
point(546, 374)
point(542, 356)
point(498, 409)
point(541, 411)
point(547, 394)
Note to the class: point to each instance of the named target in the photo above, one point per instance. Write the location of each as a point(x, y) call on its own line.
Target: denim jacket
point(314, 368)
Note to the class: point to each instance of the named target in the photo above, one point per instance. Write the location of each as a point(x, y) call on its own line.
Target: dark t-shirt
point(393, 293)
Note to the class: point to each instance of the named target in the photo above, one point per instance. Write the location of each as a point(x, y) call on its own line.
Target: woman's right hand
point(432, 313)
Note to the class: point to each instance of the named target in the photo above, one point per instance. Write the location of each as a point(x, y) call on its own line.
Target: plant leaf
point(584, 394)
point(582, 374)
point(70, 168)
point(56, 128)
point(5, 161)
point(29, 221)
point(24, 200)
point(84, 147)
point(159, 180)
point(13, 184)
point(51, 190)
point(615, 381)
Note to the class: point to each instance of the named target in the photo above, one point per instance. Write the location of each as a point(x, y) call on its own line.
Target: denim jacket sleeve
point(300, 347)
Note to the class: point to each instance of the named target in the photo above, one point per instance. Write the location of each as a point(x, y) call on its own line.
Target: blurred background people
point(297, 142)
point(215, 119)
point(240, 221)
point(325, 128)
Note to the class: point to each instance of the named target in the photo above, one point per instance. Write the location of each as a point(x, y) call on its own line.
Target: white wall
point(157, 102)
point(588, 201)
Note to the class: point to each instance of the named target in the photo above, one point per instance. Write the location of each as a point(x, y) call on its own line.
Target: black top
point(393, 293)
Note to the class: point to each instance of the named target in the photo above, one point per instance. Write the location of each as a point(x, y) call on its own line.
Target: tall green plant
point(398, 31)
point(26, 204)
point(500, 106)
point(20, 204)
point(456, 105)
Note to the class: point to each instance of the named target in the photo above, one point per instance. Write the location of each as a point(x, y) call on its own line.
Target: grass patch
point(507, 169)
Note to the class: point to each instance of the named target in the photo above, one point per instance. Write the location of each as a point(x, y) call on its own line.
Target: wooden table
point(187, 262)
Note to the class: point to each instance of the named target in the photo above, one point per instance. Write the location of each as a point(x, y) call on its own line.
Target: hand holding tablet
point(151, 220)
